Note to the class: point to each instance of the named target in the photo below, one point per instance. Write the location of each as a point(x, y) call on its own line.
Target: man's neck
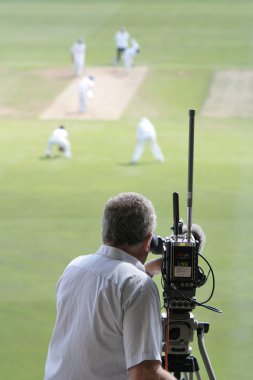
point(136, 250)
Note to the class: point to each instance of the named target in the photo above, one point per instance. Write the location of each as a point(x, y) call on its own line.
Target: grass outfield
point(50, 210)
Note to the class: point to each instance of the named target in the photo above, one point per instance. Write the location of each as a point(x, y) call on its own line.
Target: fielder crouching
point(108, 323)
point(59, 138)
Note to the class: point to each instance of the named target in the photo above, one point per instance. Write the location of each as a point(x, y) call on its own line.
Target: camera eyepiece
point(157, 245)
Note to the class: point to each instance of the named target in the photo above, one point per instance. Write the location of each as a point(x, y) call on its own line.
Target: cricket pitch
point(230, 94)
point(113, 91)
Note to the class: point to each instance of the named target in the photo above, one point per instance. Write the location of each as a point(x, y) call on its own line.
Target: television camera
point(181, 276)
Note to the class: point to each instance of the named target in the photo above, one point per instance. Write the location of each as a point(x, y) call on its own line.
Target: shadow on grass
point(56, 157)
point(139, 164)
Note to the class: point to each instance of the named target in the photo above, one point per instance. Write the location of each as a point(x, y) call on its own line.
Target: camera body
point(180, 271)
point(181, 276)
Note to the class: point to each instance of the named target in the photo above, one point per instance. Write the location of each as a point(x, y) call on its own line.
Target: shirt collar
point(118, 254)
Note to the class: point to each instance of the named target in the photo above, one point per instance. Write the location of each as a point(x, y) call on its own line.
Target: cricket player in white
point(129, 55)
point(78, 56)
point(121, 41)
point(85, 92)
point(146, 134)
point(59, 138)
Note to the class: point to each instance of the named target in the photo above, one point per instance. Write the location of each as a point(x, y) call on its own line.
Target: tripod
point(182, 325)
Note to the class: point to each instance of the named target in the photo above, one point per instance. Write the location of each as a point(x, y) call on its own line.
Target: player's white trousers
point(79, 64)
point(62, 143)
point(155, 149)
point(83, 99)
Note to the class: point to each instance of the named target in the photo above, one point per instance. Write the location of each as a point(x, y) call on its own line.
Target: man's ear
point(147, 242)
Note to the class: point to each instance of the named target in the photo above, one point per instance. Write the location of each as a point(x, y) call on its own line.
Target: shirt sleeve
point(142, 330)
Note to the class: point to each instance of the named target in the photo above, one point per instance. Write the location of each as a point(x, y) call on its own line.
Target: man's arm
point(149, 370)
point(154, 266)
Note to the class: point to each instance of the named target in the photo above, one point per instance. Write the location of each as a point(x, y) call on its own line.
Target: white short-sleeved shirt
point(58, 135)
point(108, 318)
point(145, 129)
point(121, 39)
point(60, 132)
point(85, 85)
point(78, 49)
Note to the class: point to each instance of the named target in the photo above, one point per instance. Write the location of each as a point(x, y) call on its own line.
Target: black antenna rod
point(176, 214)
point(190, 172)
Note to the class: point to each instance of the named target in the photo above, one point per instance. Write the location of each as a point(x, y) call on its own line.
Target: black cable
point(212, 308)
point(212, 273)
point(164, 281)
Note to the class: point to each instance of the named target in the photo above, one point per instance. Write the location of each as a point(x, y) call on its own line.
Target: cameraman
point(108, 323)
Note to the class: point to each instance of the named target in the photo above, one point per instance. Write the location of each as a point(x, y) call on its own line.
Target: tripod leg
point(204, 355)
point(190, 377)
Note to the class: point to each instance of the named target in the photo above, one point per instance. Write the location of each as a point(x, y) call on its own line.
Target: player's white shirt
point(78, 49)
point(133, 48)
point(121, 39)
point(85, 85)
point(145, 129)
point(130, 53)
point(59, 134)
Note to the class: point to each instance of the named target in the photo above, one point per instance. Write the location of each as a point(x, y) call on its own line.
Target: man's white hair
point(128, 219)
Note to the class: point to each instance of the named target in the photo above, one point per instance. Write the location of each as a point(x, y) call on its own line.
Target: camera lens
point(174, 333)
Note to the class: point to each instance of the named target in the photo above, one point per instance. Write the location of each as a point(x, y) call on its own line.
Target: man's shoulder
point(133, 278)
point(78, 261)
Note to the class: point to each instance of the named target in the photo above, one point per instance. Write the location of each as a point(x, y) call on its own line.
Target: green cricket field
point(197, 55)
